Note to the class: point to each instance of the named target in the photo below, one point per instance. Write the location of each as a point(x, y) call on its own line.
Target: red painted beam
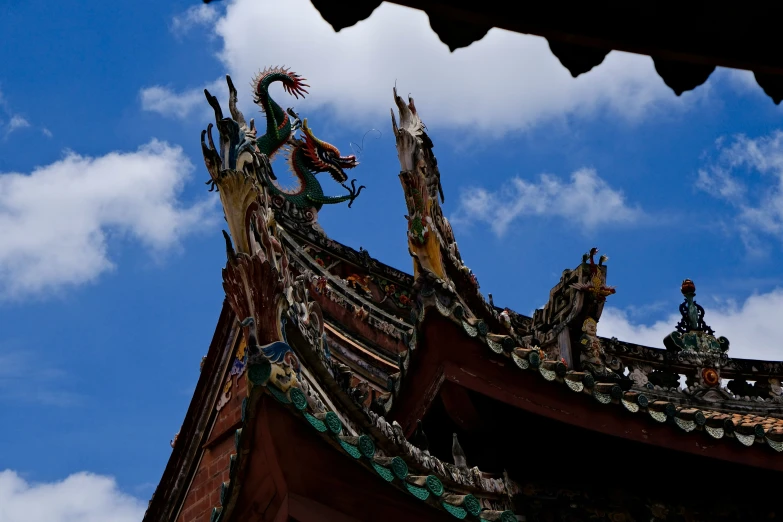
point(305, 509)
point(320, 481)
point(264, 489)
point(459, 406)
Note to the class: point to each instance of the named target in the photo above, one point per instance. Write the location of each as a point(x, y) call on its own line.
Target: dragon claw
point(353, 192)
point(296, 122)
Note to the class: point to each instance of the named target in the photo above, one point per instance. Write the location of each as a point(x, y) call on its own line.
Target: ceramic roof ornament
point(421, 184)
point(307, 155)
point(693, 337)
point(694, 343)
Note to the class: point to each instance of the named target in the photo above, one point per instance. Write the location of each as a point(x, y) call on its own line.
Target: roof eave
point(686, 44)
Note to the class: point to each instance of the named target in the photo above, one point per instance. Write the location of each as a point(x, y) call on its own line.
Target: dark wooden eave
point(445, 354)
point(685, 40)
point(292, 474)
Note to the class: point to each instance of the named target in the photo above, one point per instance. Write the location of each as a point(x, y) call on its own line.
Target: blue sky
point(111, 250)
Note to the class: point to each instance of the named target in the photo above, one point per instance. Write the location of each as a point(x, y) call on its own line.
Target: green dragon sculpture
point(307, 155)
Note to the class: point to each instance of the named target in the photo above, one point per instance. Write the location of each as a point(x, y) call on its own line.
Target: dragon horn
point(309, 132)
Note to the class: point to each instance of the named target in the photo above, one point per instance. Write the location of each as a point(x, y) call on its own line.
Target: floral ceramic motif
point(399, 297)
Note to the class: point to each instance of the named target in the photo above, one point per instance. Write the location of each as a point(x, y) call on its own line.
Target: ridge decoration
point(437, 262)
point(421, 183)
point(268, 287)
point(695, 342)
point(307, 155)
point(693, 337)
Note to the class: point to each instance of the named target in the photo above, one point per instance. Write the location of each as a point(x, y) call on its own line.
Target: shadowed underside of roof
point(686, 42)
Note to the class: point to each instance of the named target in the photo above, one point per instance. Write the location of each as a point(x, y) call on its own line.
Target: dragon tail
point(293, 84)
point(278, 123)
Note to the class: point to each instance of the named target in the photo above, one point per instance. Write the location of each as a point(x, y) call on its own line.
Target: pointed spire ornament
point(693, 335)
point(419, 438)
point(459, 454)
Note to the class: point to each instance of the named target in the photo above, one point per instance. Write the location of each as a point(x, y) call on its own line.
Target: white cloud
point(753, 327)
point(743, 81)
point(167, 102)
point(194, 16)
point(586, 195)
point(16, 123)
point(54, 221)
point(85, 497)
point(720, 183)
point(759, 208)
point(505, 81)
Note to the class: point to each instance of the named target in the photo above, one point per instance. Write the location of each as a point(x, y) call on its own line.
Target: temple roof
point(427, 480)
point(561, 342)
point(686, 42)
point(747, 423)
point(356, 351)
point(324, 330)
point(745, 419)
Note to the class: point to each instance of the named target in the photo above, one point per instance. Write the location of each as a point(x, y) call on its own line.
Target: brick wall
point(204, 492)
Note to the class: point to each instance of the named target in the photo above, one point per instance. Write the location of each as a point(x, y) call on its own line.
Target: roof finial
point(692, 312)
point(694, 336)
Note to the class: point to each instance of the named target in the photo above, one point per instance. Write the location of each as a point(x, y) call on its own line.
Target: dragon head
point(325, 157)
